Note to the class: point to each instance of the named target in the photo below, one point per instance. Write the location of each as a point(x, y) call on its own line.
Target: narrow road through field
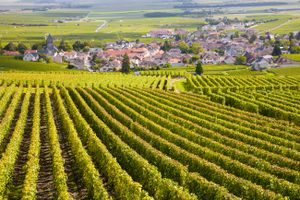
point(279, 26)
point(101, 26)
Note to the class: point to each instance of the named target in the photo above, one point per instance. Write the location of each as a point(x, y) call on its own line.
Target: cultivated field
point(31, 28)
point(167, 134)
point(112, 136)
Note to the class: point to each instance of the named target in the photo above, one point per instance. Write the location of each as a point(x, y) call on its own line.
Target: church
point(50, 49)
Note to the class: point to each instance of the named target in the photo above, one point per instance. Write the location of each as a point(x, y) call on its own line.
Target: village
point(220, 41)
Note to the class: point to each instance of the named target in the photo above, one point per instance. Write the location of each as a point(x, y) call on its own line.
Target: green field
point(288, 71)
point(30, 28)
point(284, 22)
point(212, 70)
point(295, 57)
point(11, 64)
point(120, 24)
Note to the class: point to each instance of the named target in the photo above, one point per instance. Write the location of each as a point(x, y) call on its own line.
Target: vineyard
point(84, 79)
point(79, 136)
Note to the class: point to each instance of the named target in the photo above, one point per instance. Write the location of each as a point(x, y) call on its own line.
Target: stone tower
point(50, 48)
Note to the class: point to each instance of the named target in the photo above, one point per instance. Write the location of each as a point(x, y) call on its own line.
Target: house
point(30, 51)
point(148, 64)
point(69, 55)
point(85, 58)
point(221, 26)
point(181, 32)
point(31, 57)
point(176, 62)
point(57, 58)
point(81, 61)
point(95, 51)
point(263, 50)
point(133, 52)
point(77, 63)
point(11, 53)
point(250, 57)
point(111, 66)
point(234, 50)
point(208, 28)
point(174, 52)
point(229, 60)
point(263, 63)
point(161, 33)
point(210, 58)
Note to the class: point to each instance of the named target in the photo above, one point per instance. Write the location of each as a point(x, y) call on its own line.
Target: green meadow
point(11, 64)
point(288, 71)
point(32, 27)
point(295, 57)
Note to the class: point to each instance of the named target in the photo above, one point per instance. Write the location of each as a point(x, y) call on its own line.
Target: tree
point(178, 37)
point(166, 46)
point(199, 68)
point(78, 46)
point(221, 52)
point(276, 50)
point(10, 47)
point(245, 36)
point(263, 38)
point(1, 48)
point(240, 60)
point(252, 38)
point(126, 64)
point(45, 58)
point(295, 50)
point(196, 48)
point(21, 48)
point(64, 46)
point(184, 47)
point(86, 49)
point(185, 60)
point(235, 35)
point(291, 36)
point(284, 43)
point(168, 65)
point(39, 46)
point(297, 36)
point(195, 58)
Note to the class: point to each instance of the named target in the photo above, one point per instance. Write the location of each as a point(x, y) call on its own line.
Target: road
point(101, 26)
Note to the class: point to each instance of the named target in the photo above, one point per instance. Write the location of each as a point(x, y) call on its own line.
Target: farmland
point(295, 57)
point(31, 28)
point(157, 132)
point(105, 136)
point(278, 23)
point(129, 24)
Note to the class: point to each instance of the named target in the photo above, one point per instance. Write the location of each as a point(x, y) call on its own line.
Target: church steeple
point(49, 39)
point(50, 48)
